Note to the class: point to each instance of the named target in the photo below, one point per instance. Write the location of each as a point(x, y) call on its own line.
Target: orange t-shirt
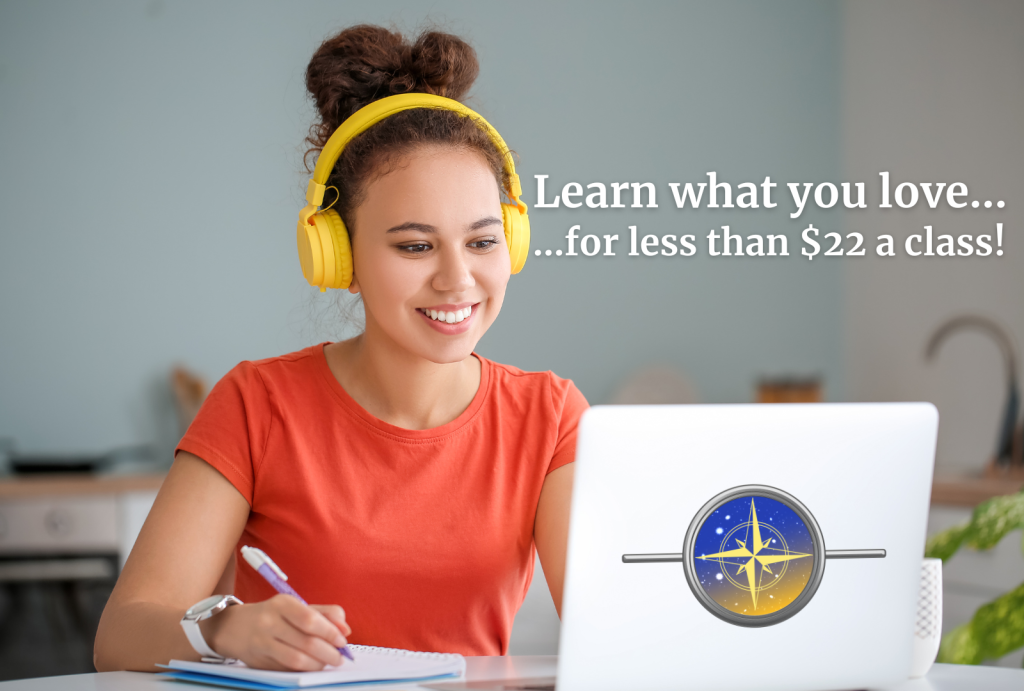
point(424, 537)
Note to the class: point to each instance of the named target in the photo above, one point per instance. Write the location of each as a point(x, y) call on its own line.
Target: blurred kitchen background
point(151, 172)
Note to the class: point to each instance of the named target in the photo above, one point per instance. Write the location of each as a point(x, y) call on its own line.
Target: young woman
point(397, 477)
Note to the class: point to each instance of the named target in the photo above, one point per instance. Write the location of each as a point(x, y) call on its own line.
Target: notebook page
point(371, 663)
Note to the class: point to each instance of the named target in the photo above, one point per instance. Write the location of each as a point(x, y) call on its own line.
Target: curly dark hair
point(366, 63)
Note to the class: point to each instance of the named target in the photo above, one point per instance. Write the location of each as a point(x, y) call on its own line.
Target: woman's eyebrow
point(484, 222)
point(413, 225)
point(427, 228)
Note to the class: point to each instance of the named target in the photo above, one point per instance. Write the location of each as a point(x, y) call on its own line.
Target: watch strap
point(195, 637)
point(190, 625)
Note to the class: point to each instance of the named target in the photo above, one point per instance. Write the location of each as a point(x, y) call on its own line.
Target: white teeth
point(449, 317)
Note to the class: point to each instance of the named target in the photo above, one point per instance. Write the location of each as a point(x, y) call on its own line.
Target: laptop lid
point(729, 547)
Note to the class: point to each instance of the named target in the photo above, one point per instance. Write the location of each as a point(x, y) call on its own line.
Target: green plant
point(997, 628)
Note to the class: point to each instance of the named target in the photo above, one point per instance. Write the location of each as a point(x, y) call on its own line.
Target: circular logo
point(753, 556)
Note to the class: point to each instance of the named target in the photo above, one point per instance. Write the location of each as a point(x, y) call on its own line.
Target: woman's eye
point(483, 244)
point(416, 248)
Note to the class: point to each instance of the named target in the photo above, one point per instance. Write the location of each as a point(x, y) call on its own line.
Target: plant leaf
point(998, 626)
point(996, 629)
point(990, 522)
point(994, 518)
point(945, 544)
point(959, 647)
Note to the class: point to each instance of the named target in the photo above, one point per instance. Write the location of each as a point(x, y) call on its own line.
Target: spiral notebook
point(372, 665)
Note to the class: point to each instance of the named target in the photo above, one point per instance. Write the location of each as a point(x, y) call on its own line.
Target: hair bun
point(366, 63)
point(441, 64)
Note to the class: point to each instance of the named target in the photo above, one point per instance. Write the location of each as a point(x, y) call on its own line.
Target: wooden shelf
point(52, 485)
point(969, 491)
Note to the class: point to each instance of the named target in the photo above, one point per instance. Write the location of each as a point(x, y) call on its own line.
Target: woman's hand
point(280, 633)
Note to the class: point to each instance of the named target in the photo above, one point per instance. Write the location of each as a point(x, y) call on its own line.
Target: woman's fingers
point(309, 630)
point(294, 659)
point(336, 615)
point(319, 651)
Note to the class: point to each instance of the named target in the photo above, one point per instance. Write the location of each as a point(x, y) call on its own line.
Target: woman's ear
point(353, 286)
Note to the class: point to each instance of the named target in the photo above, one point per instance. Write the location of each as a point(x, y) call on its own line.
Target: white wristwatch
point(199, 612)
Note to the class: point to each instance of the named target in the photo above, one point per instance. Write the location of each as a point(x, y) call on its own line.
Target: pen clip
point(257, 558)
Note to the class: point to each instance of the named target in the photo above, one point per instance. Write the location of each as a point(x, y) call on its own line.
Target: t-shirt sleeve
point(569, 404)
point(230, 430)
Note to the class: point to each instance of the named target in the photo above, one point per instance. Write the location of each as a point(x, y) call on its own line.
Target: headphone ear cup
point(517, 235)
point(311, 254)
point(341, 246)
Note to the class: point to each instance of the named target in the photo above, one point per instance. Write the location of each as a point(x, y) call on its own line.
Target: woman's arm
point(551, 529)
point(178, 560)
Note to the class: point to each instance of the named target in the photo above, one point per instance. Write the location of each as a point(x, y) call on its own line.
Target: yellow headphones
point(324, 249)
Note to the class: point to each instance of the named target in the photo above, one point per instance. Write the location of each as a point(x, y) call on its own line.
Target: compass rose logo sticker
point(754, 556)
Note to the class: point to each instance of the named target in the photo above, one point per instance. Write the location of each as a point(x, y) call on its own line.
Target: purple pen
point(273, 575)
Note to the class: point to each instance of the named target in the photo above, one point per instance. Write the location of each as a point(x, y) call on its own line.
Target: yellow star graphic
point(753, 557)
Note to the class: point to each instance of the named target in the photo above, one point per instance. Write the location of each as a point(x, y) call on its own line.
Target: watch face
point(204, 606)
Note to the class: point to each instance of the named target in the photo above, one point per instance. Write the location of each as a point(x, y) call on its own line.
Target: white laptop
point(763, 547)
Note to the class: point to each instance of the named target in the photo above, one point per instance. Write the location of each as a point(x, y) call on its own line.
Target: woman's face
point(428, 241)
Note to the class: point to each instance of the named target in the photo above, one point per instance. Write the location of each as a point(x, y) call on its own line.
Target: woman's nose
point(453, 273)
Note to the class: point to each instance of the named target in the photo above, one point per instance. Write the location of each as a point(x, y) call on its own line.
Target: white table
point(941, 678)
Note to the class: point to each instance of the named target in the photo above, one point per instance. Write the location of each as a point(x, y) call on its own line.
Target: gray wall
point(933, 92)
point(150, 176)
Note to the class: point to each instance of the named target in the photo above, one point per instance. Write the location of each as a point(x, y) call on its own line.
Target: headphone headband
point(371, 114)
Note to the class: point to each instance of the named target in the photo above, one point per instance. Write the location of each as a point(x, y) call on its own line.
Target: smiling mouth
point(453, 317)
